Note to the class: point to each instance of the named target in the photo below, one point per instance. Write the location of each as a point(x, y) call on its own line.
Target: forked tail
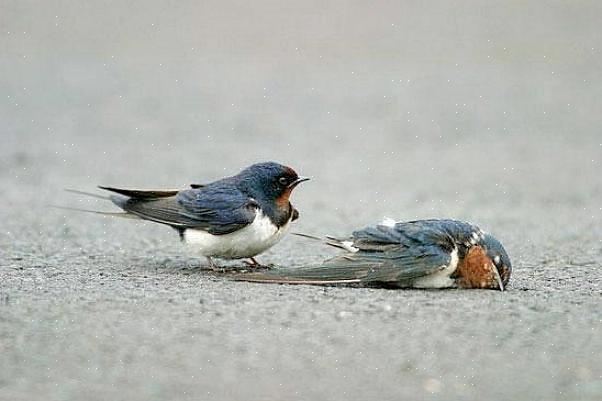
point(344, 244)
point(100, 212)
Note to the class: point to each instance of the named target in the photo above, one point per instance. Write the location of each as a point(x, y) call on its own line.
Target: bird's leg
point(212, 264)
point(252, 262)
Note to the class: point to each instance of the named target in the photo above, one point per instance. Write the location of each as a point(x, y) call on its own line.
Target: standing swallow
point(415, 254)
point(233, 218)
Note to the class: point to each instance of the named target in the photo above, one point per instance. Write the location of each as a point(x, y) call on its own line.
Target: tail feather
point(336, 244)
point(112, 198)
point(308, 236)
point(90, 194)
point(330, 241)
point(111, 214)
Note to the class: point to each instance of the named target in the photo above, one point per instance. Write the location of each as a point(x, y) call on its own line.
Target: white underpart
point(247, 242)
point(348, 245)
point(440, 279)
point(388, 222)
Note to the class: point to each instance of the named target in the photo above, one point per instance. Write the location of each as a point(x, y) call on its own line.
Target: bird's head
point(270, 181)
point(499, 257)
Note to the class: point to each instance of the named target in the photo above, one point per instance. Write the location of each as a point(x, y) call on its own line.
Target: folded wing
point(215, 210)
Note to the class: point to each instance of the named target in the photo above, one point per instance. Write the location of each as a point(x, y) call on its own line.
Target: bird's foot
point(213, 266)
point(252, 262)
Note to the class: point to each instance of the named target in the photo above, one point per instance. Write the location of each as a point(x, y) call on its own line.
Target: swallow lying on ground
point(233, 218)
point(415, 254)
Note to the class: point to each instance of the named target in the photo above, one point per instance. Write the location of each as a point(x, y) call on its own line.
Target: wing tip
point(140, 193)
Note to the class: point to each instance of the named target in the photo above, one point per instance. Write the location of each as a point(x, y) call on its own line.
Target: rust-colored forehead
point(289, 171)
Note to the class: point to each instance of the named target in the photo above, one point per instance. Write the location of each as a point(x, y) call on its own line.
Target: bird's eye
point(283, 181)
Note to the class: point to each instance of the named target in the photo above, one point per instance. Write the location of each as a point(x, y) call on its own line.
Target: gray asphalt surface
point(478, 111)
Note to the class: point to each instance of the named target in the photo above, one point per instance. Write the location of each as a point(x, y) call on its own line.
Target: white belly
point(440, 279)
point(247, 242)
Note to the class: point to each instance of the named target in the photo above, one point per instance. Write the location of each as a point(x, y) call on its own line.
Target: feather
point(90, 194)
point(367, 268)
point(111, 214)
point(381, 255)
point(142, 194)
point(308, 236)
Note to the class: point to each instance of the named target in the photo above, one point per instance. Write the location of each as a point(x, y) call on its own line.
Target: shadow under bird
point(414, 254)
point(233, 218)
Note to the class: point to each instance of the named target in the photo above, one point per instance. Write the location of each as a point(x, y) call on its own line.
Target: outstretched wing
point(384, 255)
point(394, 269)
point(216, 210)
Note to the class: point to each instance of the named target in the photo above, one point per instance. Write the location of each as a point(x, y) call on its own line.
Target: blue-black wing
point(388, 255)
point(445, 232)
point(217, 210)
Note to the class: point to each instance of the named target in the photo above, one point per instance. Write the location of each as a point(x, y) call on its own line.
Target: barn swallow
point(233, 218)
point(414, 254)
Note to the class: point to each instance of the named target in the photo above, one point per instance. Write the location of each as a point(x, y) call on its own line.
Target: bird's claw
point(252, 262)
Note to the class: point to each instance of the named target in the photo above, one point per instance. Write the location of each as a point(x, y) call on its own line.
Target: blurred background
point(448, 108)
point(484, 111)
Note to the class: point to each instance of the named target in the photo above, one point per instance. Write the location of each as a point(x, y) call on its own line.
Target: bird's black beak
point(297, 182)
point(498, 278)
